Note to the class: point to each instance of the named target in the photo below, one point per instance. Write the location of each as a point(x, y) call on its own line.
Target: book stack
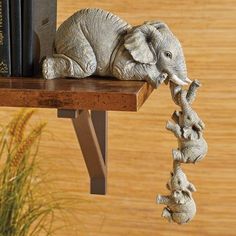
point(27, 31)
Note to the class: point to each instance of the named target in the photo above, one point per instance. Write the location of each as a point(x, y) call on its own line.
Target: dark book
point(39, 28)
point(5, 44)
point(16, 38)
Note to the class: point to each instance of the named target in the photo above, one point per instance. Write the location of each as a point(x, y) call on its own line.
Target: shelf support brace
point(91, 132)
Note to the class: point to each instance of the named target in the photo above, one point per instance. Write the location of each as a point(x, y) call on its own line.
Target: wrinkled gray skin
point(181, 207)
point(96, 42)
point(178, 180)
point(188, 127)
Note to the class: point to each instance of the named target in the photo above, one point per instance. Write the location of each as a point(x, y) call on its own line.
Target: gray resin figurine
point(188, 127)
point(96, 42)
point(181, 207)
point(178, 180)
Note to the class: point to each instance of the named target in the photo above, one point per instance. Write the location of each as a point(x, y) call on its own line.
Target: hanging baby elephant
point(96, 42)
point(181, 207)
point(188, 128)
point(178, 180)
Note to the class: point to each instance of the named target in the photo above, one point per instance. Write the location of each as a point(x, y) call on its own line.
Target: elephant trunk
point(184, 104)
point(174, 90)
point(191, 95)
point(178, 72)
point(177, 168)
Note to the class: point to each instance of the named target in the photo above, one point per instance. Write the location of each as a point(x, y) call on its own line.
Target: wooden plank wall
point(139, 146)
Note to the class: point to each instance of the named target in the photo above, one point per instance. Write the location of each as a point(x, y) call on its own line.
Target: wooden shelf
point(74, 98)
point(86, 94)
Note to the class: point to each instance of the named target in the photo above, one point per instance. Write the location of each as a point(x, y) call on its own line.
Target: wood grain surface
point(139, 146)
point(87, 94)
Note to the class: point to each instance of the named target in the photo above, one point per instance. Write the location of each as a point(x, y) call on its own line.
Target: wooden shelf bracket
point(91, 130)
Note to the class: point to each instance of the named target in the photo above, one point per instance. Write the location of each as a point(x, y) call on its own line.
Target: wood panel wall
point(139, 145)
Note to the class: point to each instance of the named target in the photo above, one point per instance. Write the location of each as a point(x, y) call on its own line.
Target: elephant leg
point(178, 155)
point(74, 55)
point(175, 116)
point(163, 199)
point(174, 128)
point(193, 155)
point(62, 66)
point(181, 218)
point(167, 214)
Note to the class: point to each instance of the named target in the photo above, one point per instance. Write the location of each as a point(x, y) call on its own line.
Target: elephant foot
point(166, 214)
point(175, 116)
point(55, 67)
point(170, 126)
point(177, 155)
point(159, 199)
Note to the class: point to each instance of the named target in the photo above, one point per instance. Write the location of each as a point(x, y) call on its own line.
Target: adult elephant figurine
point(188, 127)
point(96, 42)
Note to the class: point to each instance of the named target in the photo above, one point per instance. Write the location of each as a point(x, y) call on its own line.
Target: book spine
point(5, 50)
point(27, 38)
point(16, 38)
point(45, 31)
point(39, 28)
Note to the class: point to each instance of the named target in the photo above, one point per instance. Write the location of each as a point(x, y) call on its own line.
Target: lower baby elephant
point(181, 207)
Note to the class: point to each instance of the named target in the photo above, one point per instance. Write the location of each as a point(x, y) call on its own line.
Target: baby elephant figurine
point(178, 180)
point(181, 207)
point(96, 42)
point(188, 129)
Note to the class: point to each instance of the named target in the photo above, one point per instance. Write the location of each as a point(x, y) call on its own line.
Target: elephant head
point(179, 182)
point(181, 196)
point(154, 44)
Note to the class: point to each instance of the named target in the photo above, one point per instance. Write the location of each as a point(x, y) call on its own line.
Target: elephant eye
point(168, 54)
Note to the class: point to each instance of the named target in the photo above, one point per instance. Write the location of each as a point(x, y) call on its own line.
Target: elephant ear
point(168, 186)
point(191, 188)
point(139, 44)
point(187, 132)
point(158, 24)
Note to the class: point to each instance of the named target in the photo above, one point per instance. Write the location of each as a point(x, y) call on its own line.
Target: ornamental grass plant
point(24, 210)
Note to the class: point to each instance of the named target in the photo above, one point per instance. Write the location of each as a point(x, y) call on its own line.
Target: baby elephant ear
point(158, 24)
point(139, 44)
point(191, 188)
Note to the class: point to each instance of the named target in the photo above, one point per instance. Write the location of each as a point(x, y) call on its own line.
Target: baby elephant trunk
point(191, 95)
point(177, 168)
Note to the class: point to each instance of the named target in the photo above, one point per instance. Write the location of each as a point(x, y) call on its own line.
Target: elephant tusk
point(188, 80)
point(174, 78)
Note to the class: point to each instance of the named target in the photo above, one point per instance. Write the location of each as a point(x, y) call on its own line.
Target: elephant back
point(95, 28)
